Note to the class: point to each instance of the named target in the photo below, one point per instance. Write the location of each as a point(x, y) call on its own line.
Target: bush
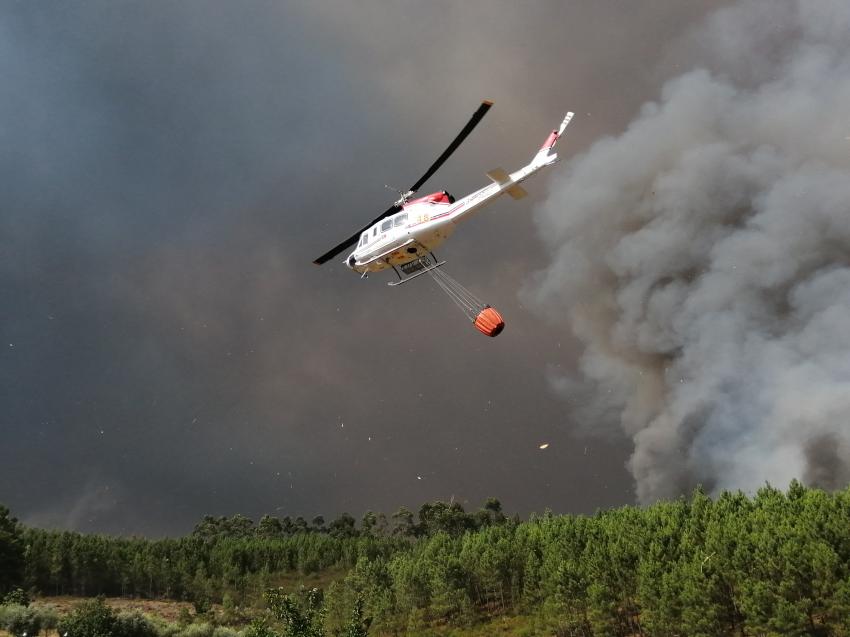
point(6, 611)
point(17, 596)
point(259, 628)
point(197, 630)
point(202, 605)
point(49, 617)
point(231, 613)
point(91, 618)
point(167, 629)
point(208, 630)
point(133, 625)
point(184, 617)
point(19, 619)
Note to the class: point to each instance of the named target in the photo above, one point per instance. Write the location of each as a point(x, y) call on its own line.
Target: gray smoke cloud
point(703, 258)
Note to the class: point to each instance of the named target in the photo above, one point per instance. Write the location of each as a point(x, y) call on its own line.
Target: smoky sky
point(170, 170)
point(701, 257)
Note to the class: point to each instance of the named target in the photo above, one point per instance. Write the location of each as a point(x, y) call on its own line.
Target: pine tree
point(11, 552)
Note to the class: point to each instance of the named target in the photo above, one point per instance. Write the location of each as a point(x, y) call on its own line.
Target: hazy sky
point(170, 170)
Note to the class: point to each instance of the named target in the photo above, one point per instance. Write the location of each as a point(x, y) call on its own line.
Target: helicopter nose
point(350, 261)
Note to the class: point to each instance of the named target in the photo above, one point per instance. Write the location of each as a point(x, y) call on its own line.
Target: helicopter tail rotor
point(545, 156)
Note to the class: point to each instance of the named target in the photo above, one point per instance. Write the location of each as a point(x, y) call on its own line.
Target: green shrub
point(18, 619)
point(6, 610)
point(133, 625)
point(231, 612)
point(202, 605)
point(184, 617)
point(17, 596)
point(90, 618)
point(197, 630)
point(93, 618)
point(167, 629)
point(49, 617)
point(259, 628)
point(224, 631)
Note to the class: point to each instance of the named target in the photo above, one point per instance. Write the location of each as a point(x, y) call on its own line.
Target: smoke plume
point(703, 258)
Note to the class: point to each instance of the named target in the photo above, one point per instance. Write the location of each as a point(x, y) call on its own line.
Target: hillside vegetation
point(771, 564)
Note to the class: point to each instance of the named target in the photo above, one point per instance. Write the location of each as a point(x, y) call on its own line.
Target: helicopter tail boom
point(509, 183)
point(499, 176)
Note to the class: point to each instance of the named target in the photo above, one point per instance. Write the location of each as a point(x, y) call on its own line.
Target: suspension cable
point(468, 303)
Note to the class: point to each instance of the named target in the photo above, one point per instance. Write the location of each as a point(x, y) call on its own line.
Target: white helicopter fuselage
point(424, 224)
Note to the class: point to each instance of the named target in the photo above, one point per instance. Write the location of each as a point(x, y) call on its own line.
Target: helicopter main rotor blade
point(464, 133)
point(330, 254)
point(470, 125)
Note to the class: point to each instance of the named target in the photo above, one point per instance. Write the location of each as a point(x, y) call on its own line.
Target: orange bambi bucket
point(489, 322)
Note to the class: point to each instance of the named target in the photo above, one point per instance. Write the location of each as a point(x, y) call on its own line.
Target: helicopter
point(404, 236)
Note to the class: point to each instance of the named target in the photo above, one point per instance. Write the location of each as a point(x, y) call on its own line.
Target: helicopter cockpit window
point(387, 225)
point(364, 239)
point(401, 220)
